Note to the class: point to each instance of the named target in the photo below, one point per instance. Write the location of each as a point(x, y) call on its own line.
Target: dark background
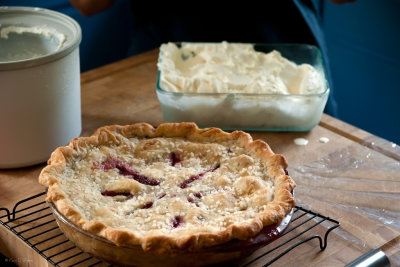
point(362, 37)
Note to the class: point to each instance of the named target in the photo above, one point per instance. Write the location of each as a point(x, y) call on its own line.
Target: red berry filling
point(191, 200)
point(177, 221)
point(126, 170)
point(193, 178)
point(271, 231)
point(174, 159)
point(147, 205)
point(110, 193)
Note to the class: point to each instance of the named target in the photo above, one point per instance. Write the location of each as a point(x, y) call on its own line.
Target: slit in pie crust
point(171, 187)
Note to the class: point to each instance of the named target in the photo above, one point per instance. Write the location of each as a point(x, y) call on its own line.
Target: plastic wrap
point(360, 187)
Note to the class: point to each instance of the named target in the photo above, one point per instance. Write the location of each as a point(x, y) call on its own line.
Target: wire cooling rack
point(32, 221)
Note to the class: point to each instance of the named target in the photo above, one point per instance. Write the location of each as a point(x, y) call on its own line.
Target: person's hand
point(91, 7)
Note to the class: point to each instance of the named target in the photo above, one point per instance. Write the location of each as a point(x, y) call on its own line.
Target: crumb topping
point(167, 185)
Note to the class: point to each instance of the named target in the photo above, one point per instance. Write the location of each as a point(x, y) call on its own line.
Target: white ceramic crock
point(40, 107)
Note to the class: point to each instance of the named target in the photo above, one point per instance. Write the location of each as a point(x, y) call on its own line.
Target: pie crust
point(171, 187)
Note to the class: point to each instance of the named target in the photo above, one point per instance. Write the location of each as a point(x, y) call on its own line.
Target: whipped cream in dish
point(234, 68)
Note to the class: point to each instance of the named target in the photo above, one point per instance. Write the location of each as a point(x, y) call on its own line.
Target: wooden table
point(354, 178)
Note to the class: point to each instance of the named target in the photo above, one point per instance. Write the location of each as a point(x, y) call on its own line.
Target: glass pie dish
point(131, 255)
point(251, 111)
point(171, 195)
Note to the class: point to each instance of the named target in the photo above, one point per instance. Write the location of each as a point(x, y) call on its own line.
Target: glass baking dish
point(251, 112)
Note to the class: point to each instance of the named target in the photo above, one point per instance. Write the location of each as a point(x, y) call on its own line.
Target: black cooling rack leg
point(23, 201)
point(323, 246)
point(7, 212)
point(322, 242)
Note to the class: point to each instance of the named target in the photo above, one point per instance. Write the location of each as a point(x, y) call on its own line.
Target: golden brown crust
point(275, 210)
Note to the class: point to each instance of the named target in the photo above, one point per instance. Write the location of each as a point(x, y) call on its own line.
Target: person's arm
point(91, 7)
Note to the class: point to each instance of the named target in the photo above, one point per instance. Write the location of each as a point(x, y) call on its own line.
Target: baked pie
point(173, 187)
